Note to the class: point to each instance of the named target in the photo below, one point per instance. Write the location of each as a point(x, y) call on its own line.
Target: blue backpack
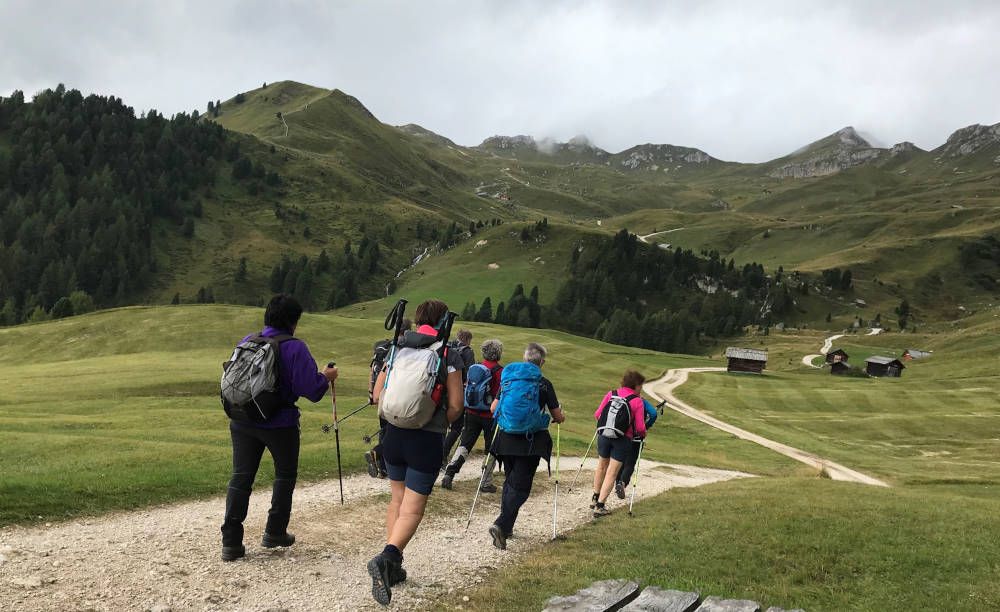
point(518, 411)
point(477, 388)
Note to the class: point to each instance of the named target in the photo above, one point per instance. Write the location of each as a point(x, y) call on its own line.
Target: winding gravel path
point(167, 558)
point(663, 389)
point(827, 345)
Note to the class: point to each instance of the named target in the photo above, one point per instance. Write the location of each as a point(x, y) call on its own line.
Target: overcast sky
point(745, 81)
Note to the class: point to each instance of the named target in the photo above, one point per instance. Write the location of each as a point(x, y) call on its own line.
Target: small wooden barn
point(836, 356)
point(840, 368)
point(746, 360)
point(884, 366)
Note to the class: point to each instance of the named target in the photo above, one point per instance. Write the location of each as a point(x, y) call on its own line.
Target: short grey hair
point(492, 350)
point(535, 353)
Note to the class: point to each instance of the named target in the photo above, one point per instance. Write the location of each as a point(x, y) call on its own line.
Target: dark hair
point(283, 312)
point(431, 312)
point(465, 337)
point(632, 379)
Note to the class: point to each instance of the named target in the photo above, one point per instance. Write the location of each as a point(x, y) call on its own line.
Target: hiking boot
point(397, 573)
point(378, 569)
point(620, 489)
point(372, 462)
point(488, 487)
point(232, 553)
point(601, 510)
point(499, 538)
point(274, 540)
point(593, 500)
point(446, 481)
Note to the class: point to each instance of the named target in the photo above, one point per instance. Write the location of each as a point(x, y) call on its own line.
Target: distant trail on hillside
point(662, 389)
point(648, 236)
point(827, 345)
point(168, 557)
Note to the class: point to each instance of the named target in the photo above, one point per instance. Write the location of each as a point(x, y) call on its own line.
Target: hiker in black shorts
point(413, 451)
point(520, 452)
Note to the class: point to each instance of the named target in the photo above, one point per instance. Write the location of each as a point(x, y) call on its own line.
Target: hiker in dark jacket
point(479, 422)
point(297, 377)
point(463, 346)
point(520, 453)
point(380, 352)
point(413, 457)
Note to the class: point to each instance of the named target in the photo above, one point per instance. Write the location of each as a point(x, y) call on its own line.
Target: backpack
point(413, 384)
point(379, 355)
point(249, 385)
point(519, 411)
point(477, 389)
point(467, 355)
point(616, 416)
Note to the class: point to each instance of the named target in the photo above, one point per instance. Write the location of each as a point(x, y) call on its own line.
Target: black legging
point(454, 431)
point(474, 425)
point(520, 473)
point(248, 448)
point(625, 474)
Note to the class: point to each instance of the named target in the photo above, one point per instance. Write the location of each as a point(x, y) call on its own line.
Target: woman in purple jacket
point(297, 377)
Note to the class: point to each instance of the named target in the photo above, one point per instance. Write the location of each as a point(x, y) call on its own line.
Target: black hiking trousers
point(520, 473)
point(625, 474)
point(248, 448)
point(454, 431)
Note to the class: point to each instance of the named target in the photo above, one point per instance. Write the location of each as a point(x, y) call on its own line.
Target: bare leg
point(614, 467)
point(410, 512)
point(602, 467)
point(392, 512)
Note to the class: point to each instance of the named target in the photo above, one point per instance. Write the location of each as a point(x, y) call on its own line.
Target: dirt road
point(827, 345)
point(663, 389)
point(167, 558)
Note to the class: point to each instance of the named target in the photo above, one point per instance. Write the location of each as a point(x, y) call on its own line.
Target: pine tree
point(62, 308)
point(241, 270)
point(501, 314)
point(469, 312)
point(176, 300)
point(485, 313)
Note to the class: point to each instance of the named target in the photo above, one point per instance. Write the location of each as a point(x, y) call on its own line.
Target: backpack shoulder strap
point(630, 398)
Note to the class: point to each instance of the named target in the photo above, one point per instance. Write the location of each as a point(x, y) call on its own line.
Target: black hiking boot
point(488, 487)
point(378, 569)
point(446, 481)
point(593, 500)
point(397, 573)
point(620, 489)
point(499, 537)
point(232, 553)
point(372, 462)
point(274, 540)
point(601, 510)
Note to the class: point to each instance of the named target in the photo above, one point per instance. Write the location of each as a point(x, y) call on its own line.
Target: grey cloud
point(743, 81)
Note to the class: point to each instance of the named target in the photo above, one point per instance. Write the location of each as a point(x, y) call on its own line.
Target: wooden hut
point(840, 368)
point(746, 360)
point(884, 366)
point(836, 356)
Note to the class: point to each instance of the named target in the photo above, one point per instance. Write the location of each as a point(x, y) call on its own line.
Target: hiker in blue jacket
point(522, 435)
point(627, 470)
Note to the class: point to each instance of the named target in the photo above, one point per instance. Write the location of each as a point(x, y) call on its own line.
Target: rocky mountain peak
point(849, 136)
point(843, 149)
point(971, 139)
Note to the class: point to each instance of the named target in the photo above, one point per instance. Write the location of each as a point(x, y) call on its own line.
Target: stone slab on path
point(603, 596)
point(717, 604)
point(655, 599)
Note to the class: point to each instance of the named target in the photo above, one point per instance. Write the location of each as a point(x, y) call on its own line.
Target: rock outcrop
point(841, 150)
point(969, 140)
point(660, 157)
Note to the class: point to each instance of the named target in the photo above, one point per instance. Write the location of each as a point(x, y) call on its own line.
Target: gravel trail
point(167, 558)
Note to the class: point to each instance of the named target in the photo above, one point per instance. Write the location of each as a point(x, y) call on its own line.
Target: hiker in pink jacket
point(621, 418)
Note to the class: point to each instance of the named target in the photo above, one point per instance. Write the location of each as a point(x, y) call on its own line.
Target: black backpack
point(379, 354)
point(616, 416)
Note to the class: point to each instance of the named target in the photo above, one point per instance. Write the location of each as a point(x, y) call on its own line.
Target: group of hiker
point(431, 393)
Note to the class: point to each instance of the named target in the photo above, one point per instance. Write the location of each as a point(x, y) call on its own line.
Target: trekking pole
point(482, 478)
point(336, 433)
point(555, 497)
point(327, 428)
point(575, 478)
point(635, 477)
point(368, 438)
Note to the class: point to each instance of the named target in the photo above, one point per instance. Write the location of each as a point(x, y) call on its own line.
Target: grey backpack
point(411, 393)
point(250, 379)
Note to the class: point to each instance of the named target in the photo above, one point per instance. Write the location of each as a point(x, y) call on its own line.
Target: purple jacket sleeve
point(303, 375)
